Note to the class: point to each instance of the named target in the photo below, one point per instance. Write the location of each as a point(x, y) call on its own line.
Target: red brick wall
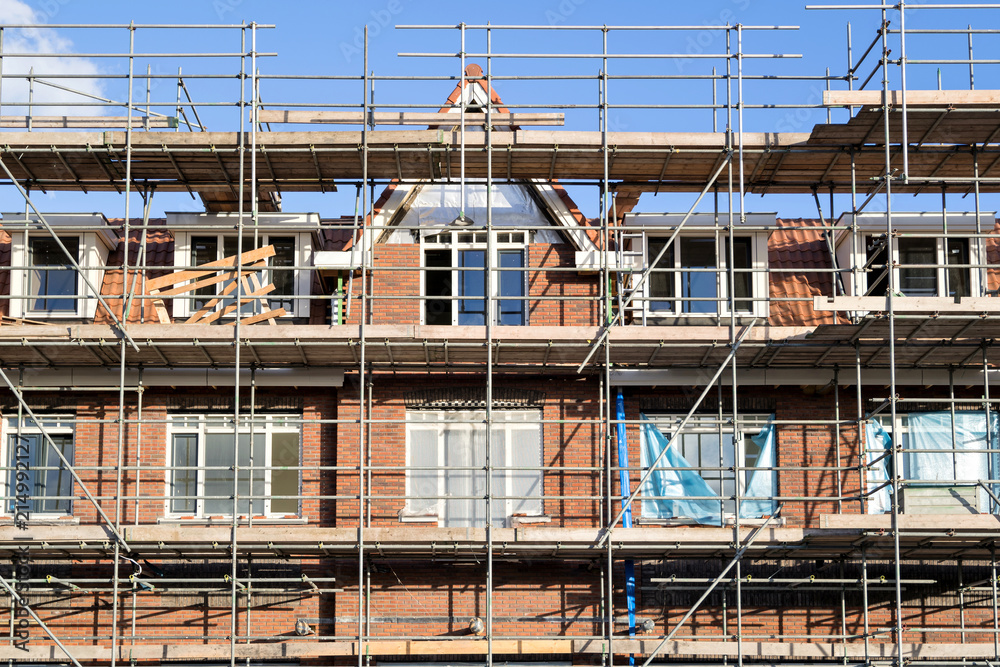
point(560, 297)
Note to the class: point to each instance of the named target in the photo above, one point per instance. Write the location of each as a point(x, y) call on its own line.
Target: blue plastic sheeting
point(626, 490)
point(694, 497)
point(674, 483)
point(763, 483)
point(931, 432)
point(877, 444)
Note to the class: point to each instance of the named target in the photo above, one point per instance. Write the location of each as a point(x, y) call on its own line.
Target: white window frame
point(758, 277)
point(705, 424)
point(53, 425)
point(202, 424)
point(97, 240)
point(184, 304)
point(503, 240)
point(930, 225)
point(436, 419)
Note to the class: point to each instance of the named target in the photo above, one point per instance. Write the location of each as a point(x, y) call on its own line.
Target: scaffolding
point(226, 552)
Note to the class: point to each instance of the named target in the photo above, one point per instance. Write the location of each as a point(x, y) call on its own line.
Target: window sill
point(43, 521)
point(418, 518)
point(228, 521)
point(529, 520)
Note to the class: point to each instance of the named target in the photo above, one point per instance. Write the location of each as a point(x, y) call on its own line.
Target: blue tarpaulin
point(670, 494)
point(762, 483)
point(930, 439)
point(877, 445)
point(674, 487)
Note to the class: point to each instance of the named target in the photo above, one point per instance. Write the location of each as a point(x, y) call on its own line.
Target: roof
point(474, 77)
point(159, 253)
point(799, 262)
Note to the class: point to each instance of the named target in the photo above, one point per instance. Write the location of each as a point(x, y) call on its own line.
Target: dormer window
point(210, 237)
point(928, 258)
point(692, 278)
point(43, 278)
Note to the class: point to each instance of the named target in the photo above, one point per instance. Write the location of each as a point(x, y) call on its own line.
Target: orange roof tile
point(159, 253)
point(801, 248)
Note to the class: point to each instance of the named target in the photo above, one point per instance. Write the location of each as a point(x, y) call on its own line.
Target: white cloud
point(15, 90)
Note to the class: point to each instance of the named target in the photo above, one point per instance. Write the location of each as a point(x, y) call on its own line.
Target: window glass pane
point(437, 282)
point(698, 254)
point(743, 280)
point(283, 280)
point(958, 278)
point(511, 311)
point(661, 283)
point(920, 281)
point(184, 482)
point(219, 452)
point(472, 284)
point(49, 491)
point(58, 480)
point(526, 449)
point(875, 255)
point(423, 487)
point(231, 249)
point(204, 249)
point(461, 508)
point(53, 282)
point(284, 452)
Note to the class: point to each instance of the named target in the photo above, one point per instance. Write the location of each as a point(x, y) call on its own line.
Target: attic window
point(454, 278)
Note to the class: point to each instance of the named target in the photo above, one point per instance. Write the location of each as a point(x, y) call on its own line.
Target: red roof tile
point(798, 251)
point(159, 253)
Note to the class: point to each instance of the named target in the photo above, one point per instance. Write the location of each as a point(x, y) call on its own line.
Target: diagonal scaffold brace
point(711, 587)
point(606, 329)
point(65, 462)
point(76, 265)
point(652, 466)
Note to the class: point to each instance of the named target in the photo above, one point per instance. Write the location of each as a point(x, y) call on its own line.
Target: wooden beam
point(78, 122)
point(940, 98)
point(405, 118)
point(246, 259)
point(916, 304)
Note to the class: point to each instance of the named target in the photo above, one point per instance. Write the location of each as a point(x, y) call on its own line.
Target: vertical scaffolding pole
point(362, 375)
point(234, 546)
point(490, 315)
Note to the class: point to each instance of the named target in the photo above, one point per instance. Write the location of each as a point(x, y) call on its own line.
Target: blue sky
point(324, 38)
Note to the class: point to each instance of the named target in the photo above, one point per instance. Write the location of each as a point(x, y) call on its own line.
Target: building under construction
point(466, 423)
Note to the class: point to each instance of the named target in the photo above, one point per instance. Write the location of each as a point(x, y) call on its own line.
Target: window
point(38, 480)
point(44, 284)
point(943, 460)
point(446, 456)
point(202, 456)
point(709, 449)
point(52, 280)
point(691, 277)
point(213, 247)
point(927, 266)
point(455, 278)
point(932, 255)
